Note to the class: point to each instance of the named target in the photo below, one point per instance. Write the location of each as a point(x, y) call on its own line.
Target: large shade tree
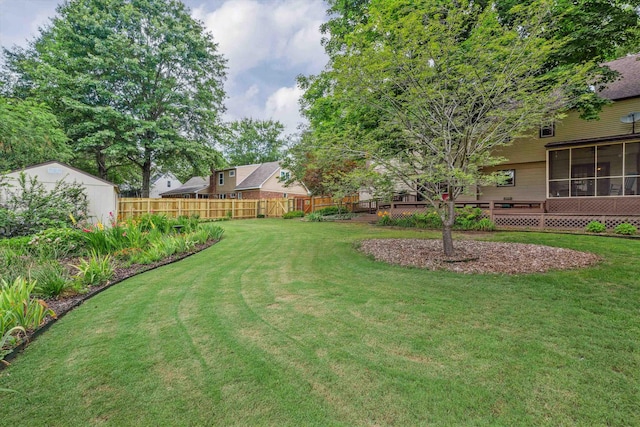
point(434, 87)
point(29, 134)
point(132, 81)
point(249, 141)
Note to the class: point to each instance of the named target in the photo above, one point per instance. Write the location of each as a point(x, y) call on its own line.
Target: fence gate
point(276, 207)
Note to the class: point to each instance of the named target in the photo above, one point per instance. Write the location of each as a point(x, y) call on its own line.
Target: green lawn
point(285, 323)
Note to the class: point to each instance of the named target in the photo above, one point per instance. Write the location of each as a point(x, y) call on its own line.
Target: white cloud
point(267, 44)
point(283, 105)
point(250, 32)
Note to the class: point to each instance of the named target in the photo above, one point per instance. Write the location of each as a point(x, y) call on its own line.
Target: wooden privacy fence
point(205, 208)
point(224, 208)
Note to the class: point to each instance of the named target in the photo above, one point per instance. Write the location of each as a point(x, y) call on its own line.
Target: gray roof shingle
point(193, 185)
point(628, 84)
point(259, 176)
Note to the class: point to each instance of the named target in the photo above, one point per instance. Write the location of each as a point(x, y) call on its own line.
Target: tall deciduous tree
point(29, 134)
point(135, 81)
point(250, 141)
point(451, 83)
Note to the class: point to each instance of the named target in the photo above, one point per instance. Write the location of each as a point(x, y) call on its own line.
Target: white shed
point(101, 194)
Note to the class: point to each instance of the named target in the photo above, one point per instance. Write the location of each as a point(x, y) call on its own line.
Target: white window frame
point(232, 173)
point(221, 178)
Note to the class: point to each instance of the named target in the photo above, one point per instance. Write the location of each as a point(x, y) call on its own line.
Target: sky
point(267, 44)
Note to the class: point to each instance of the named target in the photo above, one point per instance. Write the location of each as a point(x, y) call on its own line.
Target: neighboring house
point(260, 181)
point(158, 184)
point(102, 195)
point(162, 183)
point(578, 166)
point(195, 188)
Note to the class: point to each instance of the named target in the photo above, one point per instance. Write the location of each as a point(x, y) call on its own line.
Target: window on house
point(547, 131)
point(232, 173)
point(168, 184)
point(510, 175)
point(284, 175)
point(232, 195)
point(284, 195)
point(603, 170)
point(221, 178)
point(223, 196)
point(239, 196)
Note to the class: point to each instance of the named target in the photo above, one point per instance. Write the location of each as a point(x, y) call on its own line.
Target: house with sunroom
point(578, 170)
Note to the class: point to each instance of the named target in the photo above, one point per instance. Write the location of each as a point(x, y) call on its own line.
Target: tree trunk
point(447, 225)
point(146, 178)
point(101, 161)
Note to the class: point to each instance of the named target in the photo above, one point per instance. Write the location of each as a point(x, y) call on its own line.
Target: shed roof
point(628, 83)
point(259, 176)
point(55, 162)
point(192, 186)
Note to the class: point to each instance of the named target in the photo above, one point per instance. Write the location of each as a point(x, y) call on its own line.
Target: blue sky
point(267, 44)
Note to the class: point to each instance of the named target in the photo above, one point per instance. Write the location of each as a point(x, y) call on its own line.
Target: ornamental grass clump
point(52, 279)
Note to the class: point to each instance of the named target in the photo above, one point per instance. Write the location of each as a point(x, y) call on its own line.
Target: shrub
point(315, 217)
point(428, 220)
point(51, 279)
point(14, 264)
point(385, 219)
point(18, 308)
point(95, 270)
point(626, 229)
point(293, 214)
point(57, 243)
point(485, 224)
point(595, 227)
point(331, 210)
point(31, 208)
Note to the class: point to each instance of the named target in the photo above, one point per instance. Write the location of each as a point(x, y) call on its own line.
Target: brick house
point(259, 181)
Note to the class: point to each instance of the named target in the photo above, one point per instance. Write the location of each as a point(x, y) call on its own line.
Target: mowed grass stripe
point(284, 323)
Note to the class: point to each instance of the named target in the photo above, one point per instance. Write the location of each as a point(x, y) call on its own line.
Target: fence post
point(233, 208)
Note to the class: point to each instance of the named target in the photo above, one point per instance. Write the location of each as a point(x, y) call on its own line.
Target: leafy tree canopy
point(423, 92)
point(132, 81)
point(29, 134)
point(250, 141)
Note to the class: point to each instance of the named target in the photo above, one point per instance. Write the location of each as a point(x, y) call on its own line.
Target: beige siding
point(103, 197)
point(573, 128)
point(229, 184)
point(530, 183)
point(273, 184)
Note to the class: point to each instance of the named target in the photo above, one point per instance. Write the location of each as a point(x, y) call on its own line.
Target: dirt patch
point(477, 256)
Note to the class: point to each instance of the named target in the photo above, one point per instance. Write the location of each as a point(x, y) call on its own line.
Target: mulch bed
point(472, 256)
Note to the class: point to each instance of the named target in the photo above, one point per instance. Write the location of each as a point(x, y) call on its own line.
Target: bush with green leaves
point(626, 229)
point(484, 224)
point(596, 227)
point(332, 210)
point(94, 270)
point(293, 214)
point(57, 243)
point(52, 279)
point(315, 217)
point(19, 308)
point(29, 208)
point(14, 264)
